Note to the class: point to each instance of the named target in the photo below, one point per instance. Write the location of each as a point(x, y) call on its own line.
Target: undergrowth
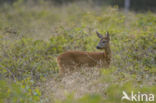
point(31, 37)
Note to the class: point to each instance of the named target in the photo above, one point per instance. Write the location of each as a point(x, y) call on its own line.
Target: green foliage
point(32, 37)
point(19, 92)
point(25, 58)
point(90, 99)
point(84, 99)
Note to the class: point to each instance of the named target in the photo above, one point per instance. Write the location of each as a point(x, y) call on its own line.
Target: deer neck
point(108, 54)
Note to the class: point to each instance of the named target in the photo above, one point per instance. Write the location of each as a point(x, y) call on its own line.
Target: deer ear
point(99, 35)
point(107, 35)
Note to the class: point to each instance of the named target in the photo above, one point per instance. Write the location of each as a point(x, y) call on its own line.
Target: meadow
point(33, 35)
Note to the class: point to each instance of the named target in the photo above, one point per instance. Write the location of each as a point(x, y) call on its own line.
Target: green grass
point(31, 37)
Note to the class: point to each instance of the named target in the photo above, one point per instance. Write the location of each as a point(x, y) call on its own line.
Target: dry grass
point(32, 37)
point(86, 81)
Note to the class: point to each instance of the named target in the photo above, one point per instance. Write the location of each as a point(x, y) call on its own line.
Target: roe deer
point(70, 60)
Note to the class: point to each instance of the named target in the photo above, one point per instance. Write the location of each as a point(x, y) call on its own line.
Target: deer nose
point(97, 47)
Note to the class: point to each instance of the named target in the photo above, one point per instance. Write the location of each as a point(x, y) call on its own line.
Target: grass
point(32, 36)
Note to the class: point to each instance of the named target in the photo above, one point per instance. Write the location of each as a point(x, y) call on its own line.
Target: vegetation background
point(34, 33)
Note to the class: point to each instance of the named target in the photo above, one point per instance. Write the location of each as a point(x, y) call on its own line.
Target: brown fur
point(72, 60)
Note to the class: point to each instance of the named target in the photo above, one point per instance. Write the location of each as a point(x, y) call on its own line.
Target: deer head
point(104, 42)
